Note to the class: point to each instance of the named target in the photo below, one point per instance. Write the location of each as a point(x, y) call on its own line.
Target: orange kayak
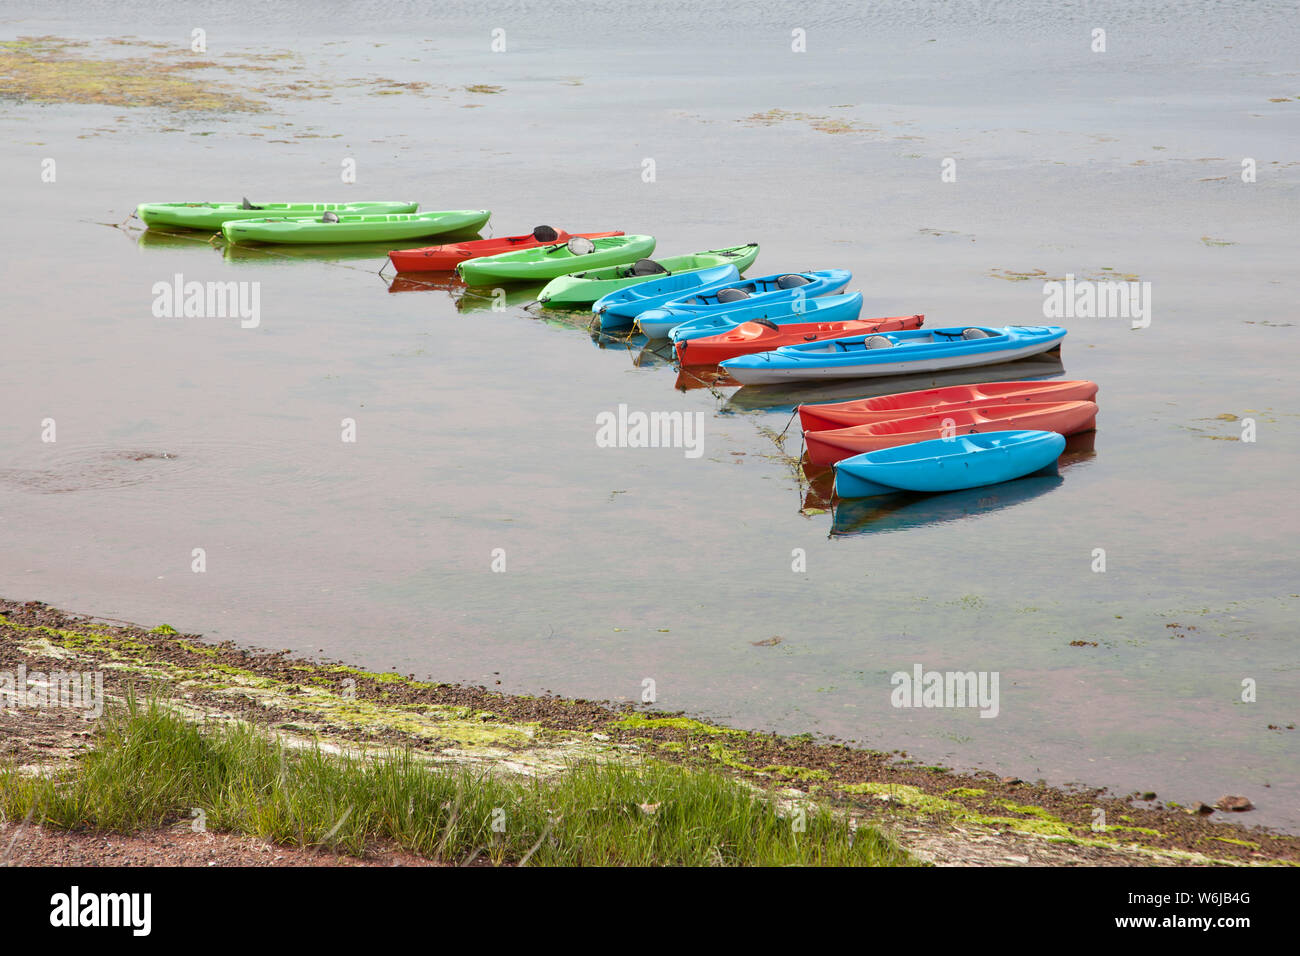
point(446, 258)
point(935, 401)
point(1066, 418)
point(764, 335)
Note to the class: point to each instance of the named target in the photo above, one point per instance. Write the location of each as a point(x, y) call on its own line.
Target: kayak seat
point(878, 342)
point(647, 267)
point(731, 295)
point(768, 324)
point(545, 234)
point(791, 281)
point(581, 246)
point(248, 205)
point(974, 334)
point(330, 217)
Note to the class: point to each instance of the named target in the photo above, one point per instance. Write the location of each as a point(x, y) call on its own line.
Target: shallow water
point(476, 427)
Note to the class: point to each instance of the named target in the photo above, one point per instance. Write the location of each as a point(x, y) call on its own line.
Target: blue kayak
point(948, 464)
point(620, 307)
point(827, 308)
point(893, 353)
point(778, 287)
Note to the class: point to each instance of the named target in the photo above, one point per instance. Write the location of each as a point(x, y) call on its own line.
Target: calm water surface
point(476, 428)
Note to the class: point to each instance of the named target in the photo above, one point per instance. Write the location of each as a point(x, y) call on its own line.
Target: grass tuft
point(152, 769)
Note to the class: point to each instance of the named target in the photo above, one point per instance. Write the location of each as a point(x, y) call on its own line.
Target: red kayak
point(934, 401)
point(446, 258)
point(1066, 418)
point(763, 336)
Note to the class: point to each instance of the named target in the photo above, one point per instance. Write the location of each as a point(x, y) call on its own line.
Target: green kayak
point(330, 227)
point(550, 262)
point(214, 215)
point(584, 288)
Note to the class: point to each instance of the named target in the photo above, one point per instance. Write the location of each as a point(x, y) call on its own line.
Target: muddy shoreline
point(940, 816)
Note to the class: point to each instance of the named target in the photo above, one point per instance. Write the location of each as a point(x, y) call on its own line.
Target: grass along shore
point(324, 755)
point(152, 768)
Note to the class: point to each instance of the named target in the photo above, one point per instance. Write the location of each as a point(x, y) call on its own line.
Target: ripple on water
point(96, 468)
point(225, 466)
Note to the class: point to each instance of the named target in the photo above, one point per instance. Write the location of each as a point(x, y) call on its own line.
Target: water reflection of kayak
point(909, 510)
point(182, 239)
point(346, 252)
point(488, 299)
point(426, 282)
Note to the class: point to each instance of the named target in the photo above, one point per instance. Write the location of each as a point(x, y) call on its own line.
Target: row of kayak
point(580, 268)
point(313, 223)
point(774, 328)
point(946, 439)
point(335, 228)
point(583, 268)
point(801, 326)
point(804, 326)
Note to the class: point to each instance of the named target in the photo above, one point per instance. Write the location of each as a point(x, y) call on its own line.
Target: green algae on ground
point(642, 722)
point(195, 648)
point(726, 757)
point(1245, 843)
point(450, 726)
point(1030, 819)
point(381, 677)
point(1041, 822)
point(47, 70)
point(73, 640)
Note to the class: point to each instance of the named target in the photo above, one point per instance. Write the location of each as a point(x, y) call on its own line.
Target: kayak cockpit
point(912, 339)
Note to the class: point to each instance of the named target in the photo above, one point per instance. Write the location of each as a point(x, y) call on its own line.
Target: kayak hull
point(584, 288)
point(820, 282)
point(750, 337)
point(213, 215)
point(553, 260)
point(763, 292)
point(833, 445)
point(446, 258)
point(617, 310)
point(914, 351)
point(392, 227)
point(934, 400)
point(949, 465)
point(840, 307)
